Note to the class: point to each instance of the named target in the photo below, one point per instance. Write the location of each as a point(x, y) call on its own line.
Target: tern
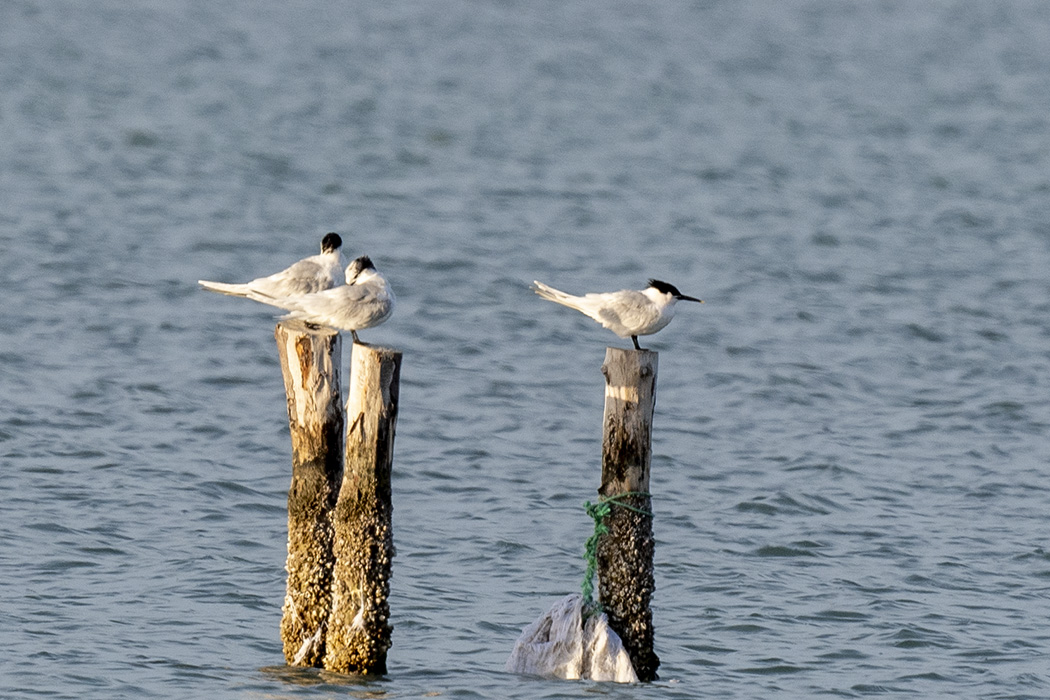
point(309, 275)
point(627, 313)
point(365, 301)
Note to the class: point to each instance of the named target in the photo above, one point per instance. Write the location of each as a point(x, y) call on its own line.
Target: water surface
point(850, 454)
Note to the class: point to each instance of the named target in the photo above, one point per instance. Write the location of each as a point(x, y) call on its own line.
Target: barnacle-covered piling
point(625, 553)
point(310, 365)
point(359, 628)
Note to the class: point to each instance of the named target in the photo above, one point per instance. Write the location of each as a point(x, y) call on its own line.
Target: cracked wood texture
point(625, 554)
point(359, 629)
point(310, 364)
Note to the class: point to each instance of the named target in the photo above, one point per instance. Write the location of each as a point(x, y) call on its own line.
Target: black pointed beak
point(683, 297)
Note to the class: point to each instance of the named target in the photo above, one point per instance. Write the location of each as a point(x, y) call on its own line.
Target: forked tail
point(555, 295)
point(237, 290)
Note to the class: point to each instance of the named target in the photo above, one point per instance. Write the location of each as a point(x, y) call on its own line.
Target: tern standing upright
point(309, 275)
point(365, 301)
point(628, 313)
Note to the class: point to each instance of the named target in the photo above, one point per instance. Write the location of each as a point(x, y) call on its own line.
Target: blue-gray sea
point(851, 463)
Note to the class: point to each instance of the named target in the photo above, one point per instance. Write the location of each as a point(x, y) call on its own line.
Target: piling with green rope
point(624, 552)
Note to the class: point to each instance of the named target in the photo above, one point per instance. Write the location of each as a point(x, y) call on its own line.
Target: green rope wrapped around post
point(598, 512)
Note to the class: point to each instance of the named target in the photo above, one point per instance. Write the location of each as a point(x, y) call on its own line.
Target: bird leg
point(636, 345)
point(356, 339)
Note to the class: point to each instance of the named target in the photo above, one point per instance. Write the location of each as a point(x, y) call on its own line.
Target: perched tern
point(366, 300)
point(627, 313)
point(309, 275)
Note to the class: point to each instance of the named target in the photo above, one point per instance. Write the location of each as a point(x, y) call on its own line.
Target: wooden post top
point(624, 369)
point(630, 396)
point(380, 350)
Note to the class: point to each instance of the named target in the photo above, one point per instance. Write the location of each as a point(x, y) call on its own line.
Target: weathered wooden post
point(359, 629)
point(625, 553)
point(310, 365)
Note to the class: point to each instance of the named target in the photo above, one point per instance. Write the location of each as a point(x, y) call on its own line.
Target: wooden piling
point(625, 553)
point(359, 629)
point(310, 365)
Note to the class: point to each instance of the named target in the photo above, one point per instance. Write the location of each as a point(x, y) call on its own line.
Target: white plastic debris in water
point(561, 644)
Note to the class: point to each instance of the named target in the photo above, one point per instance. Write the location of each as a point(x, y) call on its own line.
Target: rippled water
point(850, 451)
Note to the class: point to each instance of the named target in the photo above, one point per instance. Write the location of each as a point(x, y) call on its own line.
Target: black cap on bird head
point(668, 288)
point(331, 243)
point(665, 288)
point(357, 266)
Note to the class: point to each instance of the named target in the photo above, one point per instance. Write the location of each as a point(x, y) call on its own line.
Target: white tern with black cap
point(628, 313)
point(365, 301)
point(309, 275)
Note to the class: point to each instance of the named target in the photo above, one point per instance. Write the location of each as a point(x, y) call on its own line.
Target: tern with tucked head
point(365, 301)
point(628, 313)
point(309, 275)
